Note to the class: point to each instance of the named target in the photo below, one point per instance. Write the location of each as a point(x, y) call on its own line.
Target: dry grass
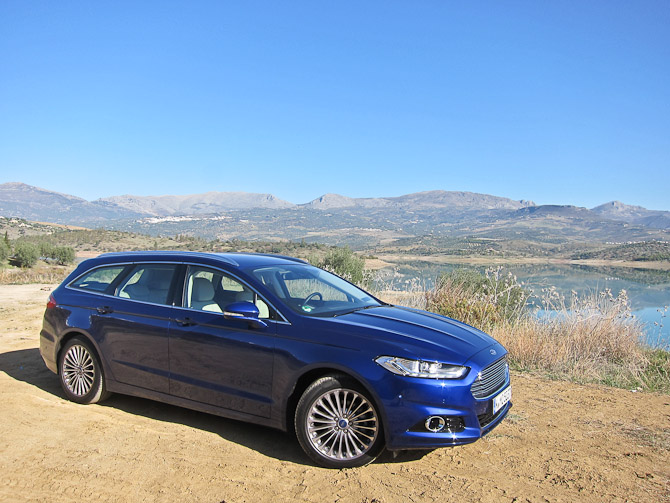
point(595, 332)
point(38, 274)
point(593, 338)
point(384, 281)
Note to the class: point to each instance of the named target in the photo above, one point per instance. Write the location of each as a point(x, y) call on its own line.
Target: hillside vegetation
point(33, 241)
point(96, 241)
point(105, 241)
point(493, 248)
point(652, 251)
point(294, 238)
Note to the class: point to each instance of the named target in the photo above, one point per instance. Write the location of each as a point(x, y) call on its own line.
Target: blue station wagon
point(275, 341)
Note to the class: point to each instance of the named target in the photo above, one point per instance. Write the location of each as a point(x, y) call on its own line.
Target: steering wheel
point(311, 296)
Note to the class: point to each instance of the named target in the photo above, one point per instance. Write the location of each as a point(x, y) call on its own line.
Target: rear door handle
point(185, 322)
point(104, 309)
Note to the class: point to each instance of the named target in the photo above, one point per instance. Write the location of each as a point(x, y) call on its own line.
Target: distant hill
point(195, 204)
point(33, 203)
point(638, 215)
point(434, 216)
point(25, 201)
point(420, 201)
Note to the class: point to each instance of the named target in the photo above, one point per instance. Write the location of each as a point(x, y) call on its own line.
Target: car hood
point(416, 333)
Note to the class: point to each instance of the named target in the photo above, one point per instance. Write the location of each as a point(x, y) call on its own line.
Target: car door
point(132, 326)
point(217, 361)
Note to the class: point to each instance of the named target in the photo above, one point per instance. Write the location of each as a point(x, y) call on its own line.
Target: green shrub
point(26, 254)
point(480, 300)
point(4, 251)
point(63, 255)
point(46, 249)
point(344, 263)
point(656, 376)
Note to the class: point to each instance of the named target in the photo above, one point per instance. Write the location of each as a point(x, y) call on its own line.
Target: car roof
point(241, 260)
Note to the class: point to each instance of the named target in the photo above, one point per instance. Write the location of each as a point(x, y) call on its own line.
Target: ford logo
point(493, 352)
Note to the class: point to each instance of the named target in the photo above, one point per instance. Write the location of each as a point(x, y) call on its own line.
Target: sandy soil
point(562, 442)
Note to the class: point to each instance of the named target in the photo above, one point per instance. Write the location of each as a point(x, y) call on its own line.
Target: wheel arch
point(68, 336)
point(313, 374)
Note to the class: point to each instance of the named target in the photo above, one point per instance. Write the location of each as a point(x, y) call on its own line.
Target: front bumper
point(414, 400)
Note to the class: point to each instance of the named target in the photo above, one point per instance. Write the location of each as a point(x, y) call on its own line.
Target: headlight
point(420, 368)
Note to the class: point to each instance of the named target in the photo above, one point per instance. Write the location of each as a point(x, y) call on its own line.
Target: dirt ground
point(561, 442)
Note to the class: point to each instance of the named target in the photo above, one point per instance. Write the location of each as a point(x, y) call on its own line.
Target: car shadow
point(27, 365)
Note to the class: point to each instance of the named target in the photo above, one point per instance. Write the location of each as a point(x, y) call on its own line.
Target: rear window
point(99, 279)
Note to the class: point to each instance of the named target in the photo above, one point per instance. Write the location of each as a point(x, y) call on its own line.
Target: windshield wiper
point(361, 309)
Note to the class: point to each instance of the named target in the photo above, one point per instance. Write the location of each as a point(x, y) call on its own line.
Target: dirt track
point(562, 442)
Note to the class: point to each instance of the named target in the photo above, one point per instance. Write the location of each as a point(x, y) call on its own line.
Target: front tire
point(80, 372)
point(337, 424)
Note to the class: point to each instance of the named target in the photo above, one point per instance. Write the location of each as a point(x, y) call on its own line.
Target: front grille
point(490, 380)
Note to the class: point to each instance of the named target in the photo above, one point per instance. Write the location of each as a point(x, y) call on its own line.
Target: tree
point(26, 254)
point(64, 255)
point(4, 251)
point(47, 250)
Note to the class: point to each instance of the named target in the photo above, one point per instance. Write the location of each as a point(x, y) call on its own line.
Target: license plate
point(501, 400)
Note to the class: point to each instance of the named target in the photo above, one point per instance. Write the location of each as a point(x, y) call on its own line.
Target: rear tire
point(337, 424)
point(80, 372)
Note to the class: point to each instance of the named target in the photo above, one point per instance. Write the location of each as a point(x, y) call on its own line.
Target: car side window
point(148, 283)
point(99, 279)
point(211, 290)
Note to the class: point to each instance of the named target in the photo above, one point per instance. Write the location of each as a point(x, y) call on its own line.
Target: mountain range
point(334, 218)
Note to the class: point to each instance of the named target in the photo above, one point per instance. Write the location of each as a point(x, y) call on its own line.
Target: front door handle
point(104, 309)
point(185, 322)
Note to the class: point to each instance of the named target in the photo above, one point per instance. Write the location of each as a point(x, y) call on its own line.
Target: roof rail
point(218, 256)
point(275, 255)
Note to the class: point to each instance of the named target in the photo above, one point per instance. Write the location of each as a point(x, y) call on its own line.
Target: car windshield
point(312, 291)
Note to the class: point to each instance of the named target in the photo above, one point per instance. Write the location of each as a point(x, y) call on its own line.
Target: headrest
point(203, 290)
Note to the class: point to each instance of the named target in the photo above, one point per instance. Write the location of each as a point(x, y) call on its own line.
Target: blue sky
point(561, 102)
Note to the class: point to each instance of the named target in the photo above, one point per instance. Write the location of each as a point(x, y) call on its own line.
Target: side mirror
point(244, 311)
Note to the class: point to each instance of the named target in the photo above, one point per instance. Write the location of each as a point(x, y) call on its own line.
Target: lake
point(648, 290)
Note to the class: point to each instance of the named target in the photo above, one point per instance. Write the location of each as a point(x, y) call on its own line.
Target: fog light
point(435, 424)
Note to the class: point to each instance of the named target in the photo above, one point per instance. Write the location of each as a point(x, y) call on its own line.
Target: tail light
point(52, 302)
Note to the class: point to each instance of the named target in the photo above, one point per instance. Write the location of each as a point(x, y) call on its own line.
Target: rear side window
point(99, 279)
point(148, 283)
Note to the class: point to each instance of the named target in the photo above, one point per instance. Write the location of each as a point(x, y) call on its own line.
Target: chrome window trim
point(283, 321)
point(123, 264)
